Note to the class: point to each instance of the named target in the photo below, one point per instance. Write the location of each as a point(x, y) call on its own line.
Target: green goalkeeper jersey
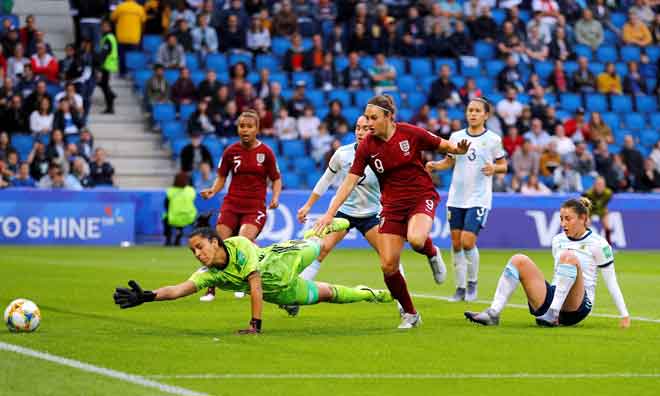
point(278, 265)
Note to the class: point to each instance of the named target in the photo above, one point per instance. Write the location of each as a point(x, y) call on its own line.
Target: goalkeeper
point(268, 274)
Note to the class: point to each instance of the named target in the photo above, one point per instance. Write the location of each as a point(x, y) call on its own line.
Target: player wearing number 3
point(393, 151)
point(471, 193)
point(251, 163)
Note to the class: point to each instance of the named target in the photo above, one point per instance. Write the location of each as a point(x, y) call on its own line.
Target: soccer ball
point(22, 316)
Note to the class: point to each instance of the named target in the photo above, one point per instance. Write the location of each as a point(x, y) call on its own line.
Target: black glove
point(255, 327)
point(129, 298)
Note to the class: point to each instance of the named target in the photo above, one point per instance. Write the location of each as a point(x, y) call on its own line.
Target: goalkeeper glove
point(255, 327)
point(129, 298)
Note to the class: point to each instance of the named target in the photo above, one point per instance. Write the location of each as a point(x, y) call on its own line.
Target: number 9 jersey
point(469, 186)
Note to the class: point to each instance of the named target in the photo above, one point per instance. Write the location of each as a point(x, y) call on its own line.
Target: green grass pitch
point(329, 349)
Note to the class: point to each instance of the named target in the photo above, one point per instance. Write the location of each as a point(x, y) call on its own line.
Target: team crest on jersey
point(261, 157)
point(405, 147)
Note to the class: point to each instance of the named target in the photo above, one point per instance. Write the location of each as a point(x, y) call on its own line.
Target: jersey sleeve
point(555, 250)
point(225, 164)
point(497, 149)
point(360, 161)
point(603, 255)
point(322, 185)
point(272, 169)
point(202, 278)
point(247, 256)
point(426, 140)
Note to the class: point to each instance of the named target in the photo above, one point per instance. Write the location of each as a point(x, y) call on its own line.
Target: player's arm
point(446, 146)
point(256, 299)
point(340, 197)
point(218, 185)
point(609, 275)
point(500, 166)
point(277, 190)
point(134, 295)
point(320, 188)
point(446, 163)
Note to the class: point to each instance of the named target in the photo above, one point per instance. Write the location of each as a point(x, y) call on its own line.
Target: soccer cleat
point(338, 224)
point(409, 321)
point(471, 294)
point(459, 295)
point(207, 297)
point(438, 267)
point(239, 294)
point(292, 310)
point(548, 319)
point(486, 318)
point(380, 296)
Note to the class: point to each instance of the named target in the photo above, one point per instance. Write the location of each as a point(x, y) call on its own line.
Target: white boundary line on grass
point(134, 379)
point(600, 315)
point(407, 376)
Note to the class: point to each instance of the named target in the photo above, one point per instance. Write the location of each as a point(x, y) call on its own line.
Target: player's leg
point(419, 228)
point(475, 220)
point(373, 237)
point(456, 218)
point(337, 294)
point(227, 223)
point(605, 222)
point(568, 290)
point(519, 270)
point(329, 242)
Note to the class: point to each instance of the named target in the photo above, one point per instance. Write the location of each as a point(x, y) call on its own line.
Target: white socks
point(505, 287)
point(310, 272)
point(460, 266)
point(472, 257)
point(565, 276)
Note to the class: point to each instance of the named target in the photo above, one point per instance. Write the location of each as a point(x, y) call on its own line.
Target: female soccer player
point(251, 163)
point(360, 209)
point(578, 252)
point(393, 151)
point(471, 192)
point(269, 274)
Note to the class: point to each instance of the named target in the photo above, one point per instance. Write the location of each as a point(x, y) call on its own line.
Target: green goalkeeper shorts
point(301, 292)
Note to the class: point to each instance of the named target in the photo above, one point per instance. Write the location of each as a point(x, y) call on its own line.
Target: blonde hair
point(581, 206)
point(252, 114)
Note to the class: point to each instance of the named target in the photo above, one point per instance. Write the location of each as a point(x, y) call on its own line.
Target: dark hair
point(181, 179)
point(581, 206)
point(385, 102)
point(483, 101)
point(203, 228)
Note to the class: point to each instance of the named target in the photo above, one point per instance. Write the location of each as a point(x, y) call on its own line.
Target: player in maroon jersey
point(251, 163)
point(393, 152)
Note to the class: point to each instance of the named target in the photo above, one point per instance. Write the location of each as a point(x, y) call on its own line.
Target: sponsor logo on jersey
point(261, 157)
point(405, 147)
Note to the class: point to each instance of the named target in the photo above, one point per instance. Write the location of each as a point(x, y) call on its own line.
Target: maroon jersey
point(250, 169)
point(398, 164)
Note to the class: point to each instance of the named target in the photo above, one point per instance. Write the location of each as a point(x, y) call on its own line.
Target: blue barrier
point(115, 216)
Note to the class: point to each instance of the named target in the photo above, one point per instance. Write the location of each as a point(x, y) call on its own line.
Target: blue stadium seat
point(619, 135)
point(551, 99)
point(223, 77)
point(570, 67)
point(177, 145)
point(649, 137)
point(307, 27)
point(458, 81)
point(307, 77)
point(650, 85)
point(217, 62)
point(630, 53)
point(406, 83)
point(621, 103)
point(618, 19)
point(238, 57)
point(307, 43)
point(266, 61)
point(455, 113)
point(446, 61)
point(653, 52)
point(140, 78)
point(23, 144)
point(215, 146)
point(543, 69)
point(486, 84)
point(596, 102)
point(525, 15)
point(151, 42)
point(646, 104)
point(606, 53)
point(197, 77)
point(291, 180)
point(396, 96)
point(279, 46)
point(612, 120)
point(293, 148)
point(280, 78)
point(610, 38)
point(470, 71)
point(654, 119)
point(621, 69)
point(53, 89)
point(524, 98)
point(420, 67)
point(342, 96)
point(311, 177)
point(405, 115)
point(570, 102)
point(340, 63)
point(596, 68)
point(398, 64)
point(366, 62)
point(499, 15)
point(271, 142)
point(317, 97)
point(322, 112)
point(172, 130)
point(484, 50)
point(493, 67)
point(352, 114)
point(15, 21)
point(135, 60)
point(634, 121)
point(287, 94)
point(253, 77)
point(163, 112)
point(347, 138)
point(587, 181)
point(186, 110)
point(361, 97)
point(171, 75)
point(416, 100)
point(305, 164)
point(583, 50)
point(192, 61)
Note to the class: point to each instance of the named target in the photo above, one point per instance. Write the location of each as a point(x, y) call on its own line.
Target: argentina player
point(471, 193)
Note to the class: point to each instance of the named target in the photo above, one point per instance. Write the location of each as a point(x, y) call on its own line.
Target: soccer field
point(186, 347)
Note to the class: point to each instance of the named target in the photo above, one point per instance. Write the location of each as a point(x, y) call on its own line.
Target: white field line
point(599, 315)
point(134, 379)
point(395, 376)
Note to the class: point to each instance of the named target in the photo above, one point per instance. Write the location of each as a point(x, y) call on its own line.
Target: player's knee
point(467, 243)
point(567, 257)
point(417, 241)
point(520, 260)
point(389, 266)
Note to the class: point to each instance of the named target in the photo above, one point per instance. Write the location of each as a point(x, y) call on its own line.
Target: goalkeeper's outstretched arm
point(173, 292)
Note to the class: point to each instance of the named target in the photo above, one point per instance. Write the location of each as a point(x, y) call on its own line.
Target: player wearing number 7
point(393, 151)
point(251, 164)
point(471, 193)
